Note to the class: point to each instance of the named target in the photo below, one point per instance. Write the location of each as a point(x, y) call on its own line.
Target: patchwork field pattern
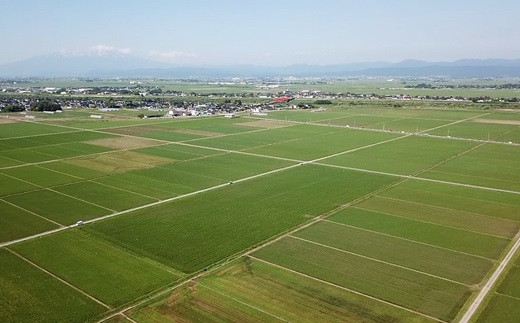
point(340, 215)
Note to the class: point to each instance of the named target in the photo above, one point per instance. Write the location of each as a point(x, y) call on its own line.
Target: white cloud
point(102, 48)
point(175, 56)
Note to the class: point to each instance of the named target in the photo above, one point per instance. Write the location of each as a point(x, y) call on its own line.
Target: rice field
point(351, 214)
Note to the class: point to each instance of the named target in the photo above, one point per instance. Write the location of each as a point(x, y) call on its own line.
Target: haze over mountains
point(112, 64)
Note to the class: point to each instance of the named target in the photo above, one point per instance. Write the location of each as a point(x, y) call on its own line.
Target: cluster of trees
point(13, 108)
point(323, 102)
point(508, 86)
point(45, 106)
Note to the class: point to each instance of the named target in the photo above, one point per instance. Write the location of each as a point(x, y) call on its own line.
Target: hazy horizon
point(205, 32)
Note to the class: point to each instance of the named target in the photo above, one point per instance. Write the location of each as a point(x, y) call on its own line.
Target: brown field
point(7, 120)
point(119, 161)
point(199, 132)
point(137, 130)
point(124, 142)
point(496, 121)
point(266, 124)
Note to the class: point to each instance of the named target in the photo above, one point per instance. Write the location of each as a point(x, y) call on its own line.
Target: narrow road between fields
point(491, 282)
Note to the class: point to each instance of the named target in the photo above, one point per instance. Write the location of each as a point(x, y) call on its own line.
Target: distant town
point(157, 100)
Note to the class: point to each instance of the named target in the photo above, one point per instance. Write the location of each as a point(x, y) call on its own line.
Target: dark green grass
point(16, 223)
point(404, 156)
point(40, 176)
point(76, 136)
point(28, 156)
point(436, 235)
point(57, 207)
point(30, 295)
point(194, 232)
point(52, 139)
point(12, 185)
point(501, 309)
point(108, 273)
point(64, 150)
point(397, 285)
point(440, 262)
point(18, 143)
point(484, 202)
point(112, 198)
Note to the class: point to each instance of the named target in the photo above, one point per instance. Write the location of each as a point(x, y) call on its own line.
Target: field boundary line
point(419, 178)
point(48, 145)
point(239, 301)
point(508, 296)
point(79, 199)
point(247, 251)
point(41, 134)
point(347, 289)
point(238, 152)
point(506, 133)
point(473, 176)
point(255, 176)
point(116, 213)
point(448, 209)
point(34, 213)
point(409, 240)
point(128, 318)
point(358, 148)
point(10, 158)
point(491, 281)
point(131, 254)
point(455, 122)
point(80, 156)
point(462, 197)
point(59, 279)
point(50, 189)
point(82, 180)
point(417, 133)
point(433, 223)
point(315, 161)
point(161, 142)
point(231, 134)
point(121, 189)
point(58, 172)
point(378, 260)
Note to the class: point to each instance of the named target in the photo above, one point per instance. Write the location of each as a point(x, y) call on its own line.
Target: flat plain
point(349, 214)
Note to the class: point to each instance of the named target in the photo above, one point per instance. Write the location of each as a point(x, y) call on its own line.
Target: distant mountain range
point(125, 65)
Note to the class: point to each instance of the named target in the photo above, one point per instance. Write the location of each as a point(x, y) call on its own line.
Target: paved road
point(491, 282)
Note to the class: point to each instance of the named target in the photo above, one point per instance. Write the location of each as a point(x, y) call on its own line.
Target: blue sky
point(263, 32)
